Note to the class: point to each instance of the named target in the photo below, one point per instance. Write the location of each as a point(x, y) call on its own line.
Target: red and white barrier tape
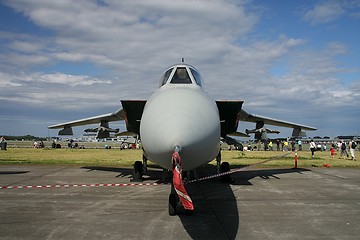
point(82, 185)
point(137, 184)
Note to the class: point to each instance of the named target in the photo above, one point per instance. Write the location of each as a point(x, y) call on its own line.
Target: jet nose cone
point(170, 121)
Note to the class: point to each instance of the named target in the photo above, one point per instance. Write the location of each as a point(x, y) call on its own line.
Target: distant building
point(354, 137)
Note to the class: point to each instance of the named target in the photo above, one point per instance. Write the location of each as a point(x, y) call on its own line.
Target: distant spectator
point(339, 146)
point(300, 145)
point(3, 143)
point(352, 146)
point(266, 145)
point(286, 145)
point(324, 147)
point(270, 145)
point(312, 148)
point(318, 147)
point(70, 144)
point(332, 152)
point(277, 145)
point(293, 146)
point(53, 145)
point(343, 152)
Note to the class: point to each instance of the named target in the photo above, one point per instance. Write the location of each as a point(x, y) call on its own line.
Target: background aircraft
point(180, 127)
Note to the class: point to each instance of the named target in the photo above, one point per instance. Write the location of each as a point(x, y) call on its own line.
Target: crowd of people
point(342, 146)
point(39, 144)
point(281, 145)
point(345, 149)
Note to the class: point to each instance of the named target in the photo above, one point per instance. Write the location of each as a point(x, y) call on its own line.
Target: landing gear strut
point(218, 162)
point(173, 201)
point(144, 158)
point(223, 167)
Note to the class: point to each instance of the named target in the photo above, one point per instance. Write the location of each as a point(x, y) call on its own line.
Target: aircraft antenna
point(182, 60)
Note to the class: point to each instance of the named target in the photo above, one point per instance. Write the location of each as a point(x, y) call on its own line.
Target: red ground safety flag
point(178, 184)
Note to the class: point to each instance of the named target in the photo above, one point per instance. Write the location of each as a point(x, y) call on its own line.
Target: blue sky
point(63, 60)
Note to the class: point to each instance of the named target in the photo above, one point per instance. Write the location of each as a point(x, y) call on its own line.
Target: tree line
point(24, 138)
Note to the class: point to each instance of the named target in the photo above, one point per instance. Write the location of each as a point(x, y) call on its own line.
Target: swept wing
point(109, 117)
point(248, 117)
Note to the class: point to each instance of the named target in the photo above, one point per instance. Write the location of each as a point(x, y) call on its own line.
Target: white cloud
point(121, 32)
point(68, 79)
point(25, 60)
point(324, 12)
point(23, 46)
point(55, 78)
point(7, 81)
point(58, 90)
point(134, 41)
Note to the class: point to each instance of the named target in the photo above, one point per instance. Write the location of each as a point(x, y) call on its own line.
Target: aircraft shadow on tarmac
point(216, 212)
point(152, 173)
point(12, 172)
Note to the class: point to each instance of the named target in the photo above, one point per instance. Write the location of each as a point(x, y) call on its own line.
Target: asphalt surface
point(316, 203)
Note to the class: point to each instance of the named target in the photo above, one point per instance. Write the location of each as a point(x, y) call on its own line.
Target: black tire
point(138, 171)
point(172, 204)
point(138, 167)
point(189, 212)
point(225, 167)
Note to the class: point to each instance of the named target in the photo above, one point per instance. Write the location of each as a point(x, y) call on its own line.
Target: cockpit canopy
point(181, 74)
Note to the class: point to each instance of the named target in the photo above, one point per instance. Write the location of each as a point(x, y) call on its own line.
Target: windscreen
point(181, 76)
point(165, 77)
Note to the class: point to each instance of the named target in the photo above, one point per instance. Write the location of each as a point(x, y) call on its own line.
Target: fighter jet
point(261, 133)
point(180, 127)
point(101, 130)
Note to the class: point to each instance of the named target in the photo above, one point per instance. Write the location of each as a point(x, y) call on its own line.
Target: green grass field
point(126, 158)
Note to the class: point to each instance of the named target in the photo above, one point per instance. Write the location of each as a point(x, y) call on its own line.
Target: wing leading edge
point(231, 113)
point(109, 117)
point(131, 112)
point(103, 119)
point(248, 117)
point(260, 131)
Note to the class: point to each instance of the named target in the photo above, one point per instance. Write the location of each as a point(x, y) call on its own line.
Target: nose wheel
point(173, 203)
point(138, 172)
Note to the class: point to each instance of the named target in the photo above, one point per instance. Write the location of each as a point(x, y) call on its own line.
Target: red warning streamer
point(178, 184)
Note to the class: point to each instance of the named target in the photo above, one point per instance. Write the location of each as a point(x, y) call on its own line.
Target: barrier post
point(296, 159)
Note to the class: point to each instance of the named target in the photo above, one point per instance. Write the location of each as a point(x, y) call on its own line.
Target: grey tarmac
point(315, 203)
